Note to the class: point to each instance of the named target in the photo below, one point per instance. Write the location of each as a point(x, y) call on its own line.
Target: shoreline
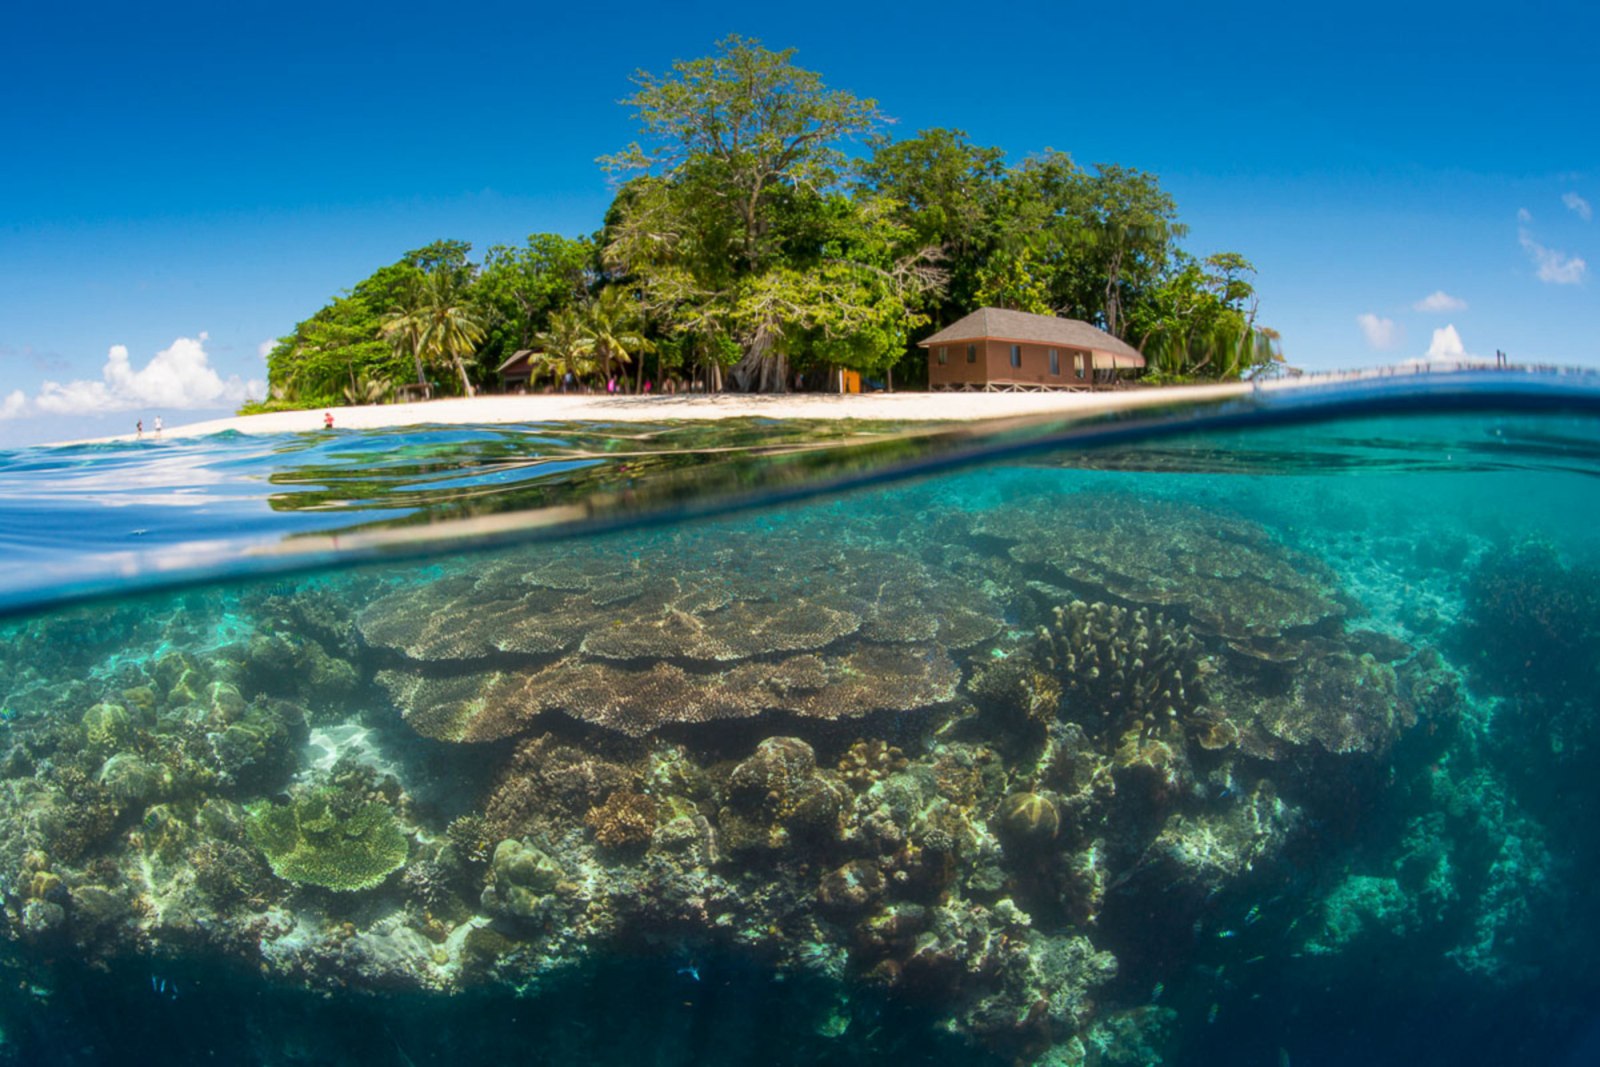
point(500, 409)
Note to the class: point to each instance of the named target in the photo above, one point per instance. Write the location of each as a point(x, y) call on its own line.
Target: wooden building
point(1013, 351)
point(516, 372)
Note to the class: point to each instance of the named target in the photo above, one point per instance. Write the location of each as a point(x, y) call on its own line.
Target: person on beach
point(327, 420)
point(158, 425)
point(139, 429)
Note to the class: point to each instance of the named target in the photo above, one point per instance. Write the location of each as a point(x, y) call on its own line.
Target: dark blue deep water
point(1258, 733)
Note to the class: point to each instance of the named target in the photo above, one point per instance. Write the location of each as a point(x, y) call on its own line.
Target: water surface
point(1257, 734)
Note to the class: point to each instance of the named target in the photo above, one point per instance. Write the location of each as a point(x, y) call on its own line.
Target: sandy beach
point(499, 409)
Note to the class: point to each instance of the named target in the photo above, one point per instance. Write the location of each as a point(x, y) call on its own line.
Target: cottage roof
point(521, 353)
point(1021, 326)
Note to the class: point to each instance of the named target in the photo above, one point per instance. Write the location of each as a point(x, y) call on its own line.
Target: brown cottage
point(995, 349)
point(517, 372)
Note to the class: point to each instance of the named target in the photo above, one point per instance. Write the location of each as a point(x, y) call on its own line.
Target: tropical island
point(768, 234)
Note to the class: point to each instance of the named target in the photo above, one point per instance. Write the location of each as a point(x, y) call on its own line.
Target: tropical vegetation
point(766, 227)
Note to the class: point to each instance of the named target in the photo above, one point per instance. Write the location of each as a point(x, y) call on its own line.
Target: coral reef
point(1012, 767)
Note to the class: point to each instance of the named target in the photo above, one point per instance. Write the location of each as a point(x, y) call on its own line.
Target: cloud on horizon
point(1381, 333)
point(14, 405)
point(1578, 206)
point(1446, 345)
point(178, 377)
point(1439, 300)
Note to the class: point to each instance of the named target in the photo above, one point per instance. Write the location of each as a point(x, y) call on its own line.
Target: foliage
point(330, 839)
point(743, 240)
point(520, 287)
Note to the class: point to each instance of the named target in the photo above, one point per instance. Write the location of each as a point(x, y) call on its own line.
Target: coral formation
point(330, 839)
point(1224, 575)
point(637, 640)
point(1012, 766)
point(625, 819)
point(1121, 667)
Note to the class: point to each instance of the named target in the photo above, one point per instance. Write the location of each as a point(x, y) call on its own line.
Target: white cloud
point(1446, 344)
point(1578, 205)
point(15, 403)
point(1524, 216)
point(265, 348)
point(1439, 300)
point(1380, 333)
point(178, 377)
point(1555, 267)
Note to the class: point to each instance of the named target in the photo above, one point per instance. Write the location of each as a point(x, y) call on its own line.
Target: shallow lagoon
point(1261, 740)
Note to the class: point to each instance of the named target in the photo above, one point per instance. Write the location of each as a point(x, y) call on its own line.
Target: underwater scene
point(1269, 740)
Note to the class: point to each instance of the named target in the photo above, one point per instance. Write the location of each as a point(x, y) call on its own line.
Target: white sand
point(497, 409)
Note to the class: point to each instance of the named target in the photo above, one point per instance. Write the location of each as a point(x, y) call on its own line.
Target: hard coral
point(1122, 667)
point(626, 819)
point(778, 795)
point(327, 839)
point(868, 760)
point(1225, 575)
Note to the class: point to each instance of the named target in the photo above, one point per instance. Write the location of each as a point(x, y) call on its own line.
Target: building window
point(1077, 364)
point(1055, 363)
point(972, 353)
point(944, 355)
point(1016, 355)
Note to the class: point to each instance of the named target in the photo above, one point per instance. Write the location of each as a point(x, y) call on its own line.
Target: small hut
point(1014, 351)
point(517, 371)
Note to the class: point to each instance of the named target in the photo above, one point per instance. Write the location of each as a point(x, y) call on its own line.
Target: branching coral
point(1121, 667)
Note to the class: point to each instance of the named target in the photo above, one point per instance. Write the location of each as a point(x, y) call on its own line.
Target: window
point(944, 355)
point(1055, 363)
point(1077, 364)
point(1016, 355)
point(972, 353)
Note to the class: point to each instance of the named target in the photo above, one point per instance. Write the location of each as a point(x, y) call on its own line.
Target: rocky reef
point(1012, 766)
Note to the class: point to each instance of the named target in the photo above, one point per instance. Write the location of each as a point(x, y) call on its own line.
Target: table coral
point(323, 838)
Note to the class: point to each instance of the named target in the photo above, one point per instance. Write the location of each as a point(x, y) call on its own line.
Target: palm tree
point(452, 327)
point(613, 329)
point(565, 345)
point(403, 327)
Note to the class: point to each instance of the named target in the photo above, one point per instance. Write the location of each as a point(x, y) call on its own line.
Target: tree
point(521, 286)
point(565, 346)
point(613, 323)
point(947, 195)
point(750, 120)
point(452, 327)
point(403, 327)
point(438, 323)
point(741, 145)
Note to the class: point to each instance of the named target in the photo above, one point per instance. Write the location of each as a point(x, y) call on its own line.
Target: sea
point(1248, 732)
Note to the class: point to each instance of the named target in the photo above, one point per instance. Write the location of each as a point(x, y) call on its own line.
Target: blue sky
point(182, 183)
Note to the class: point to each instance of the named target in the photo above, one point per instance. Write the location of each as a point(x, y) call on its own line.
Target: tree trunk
point(462, 370)
point(763, 368)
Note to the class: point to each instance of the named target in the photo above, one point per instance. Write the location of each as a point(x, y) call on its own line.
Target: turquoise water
point(1259, 733)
